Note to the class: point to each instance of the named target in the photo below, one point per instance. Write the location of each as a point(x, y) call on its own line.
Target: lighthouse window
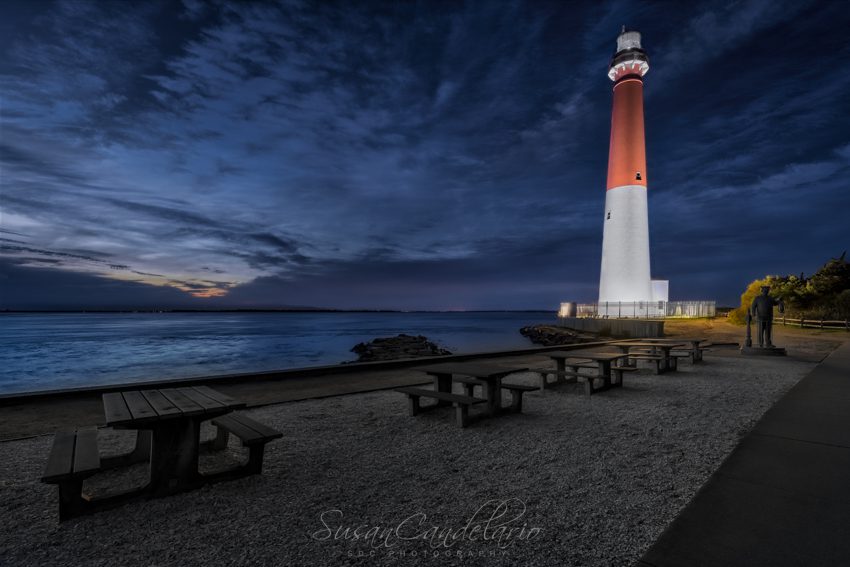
point(637, 176)
point(609, 214)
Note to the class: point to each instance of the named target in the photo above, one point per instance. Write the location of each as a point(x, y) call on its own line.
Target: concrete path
point(782, 497)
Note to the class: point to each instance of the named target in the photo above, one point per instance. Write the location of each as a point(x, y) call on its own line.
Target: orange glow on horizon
point(200, 289)
point(207, 293)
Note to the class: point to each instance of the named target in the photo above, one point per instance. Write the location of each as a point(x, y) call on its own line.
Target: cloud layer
point(407, 156)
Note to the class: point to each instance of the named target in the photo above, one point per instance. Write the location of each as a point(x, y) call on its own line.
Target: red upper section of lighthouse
point(627, 151)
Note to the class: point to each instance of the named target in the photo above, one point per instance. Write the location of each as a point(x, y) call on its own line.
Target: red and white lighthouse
point(625, 274)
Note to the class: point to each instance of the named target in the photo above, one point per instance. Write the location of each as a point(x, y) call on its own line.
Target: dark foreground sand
point(590, 481)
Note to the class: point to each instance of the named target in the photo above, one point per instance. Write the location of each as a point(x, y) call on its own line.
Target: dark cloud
point(404, 154)
point(13, 249)
point(172, 214)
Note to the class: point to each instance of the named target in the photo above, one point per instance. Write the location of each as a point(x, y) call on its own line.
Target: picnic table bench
point(253, 435)
point(516, 390)
point(461, 403)
point(167, 424)
point(656, 351)
point(694, 351)
point(469, 374)
point(610, 375)
point(73, 458)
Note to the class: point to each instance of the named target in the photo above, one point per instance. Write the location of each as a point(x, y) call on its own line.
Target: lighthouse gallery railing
point(647, 309)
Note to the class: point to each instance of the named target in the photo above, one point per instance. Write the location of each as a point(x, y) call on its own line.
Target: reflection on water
point(52, 351)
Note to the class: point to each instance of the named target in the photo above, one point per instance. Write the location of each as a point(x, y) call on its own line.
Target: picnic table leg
point(412, 405)
point(668, 360)
point(589, 389)
point(627, 361)
point(605, 372)
point(71, 502)
point(443, 383)
point(616, 373)
point(461, 415)
point(561, 366)
point(543, 381)
point(174, 456)
point(222, 436)
point(494, 396)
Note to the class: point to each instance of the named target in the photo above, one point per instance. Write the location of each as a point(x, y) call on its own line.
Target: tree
point(739, 315)
point(826, 294)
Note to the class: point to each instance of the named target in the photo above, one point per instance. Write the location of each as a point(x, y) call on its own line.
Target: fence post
point(802, 321)
point(821, 323)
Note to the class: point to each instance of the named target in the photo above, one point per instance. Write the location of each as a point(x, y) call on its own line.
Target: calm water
point(53, 351)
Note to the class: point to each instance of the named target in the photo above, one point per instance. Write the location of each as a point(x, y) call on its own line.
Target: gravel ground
point(582, 481)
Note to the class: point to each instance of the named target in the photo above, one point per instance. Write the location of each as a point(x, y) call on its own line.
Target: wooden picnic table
point(667, 362)
point(603, 360)
point(168, 424)
point(490, 374)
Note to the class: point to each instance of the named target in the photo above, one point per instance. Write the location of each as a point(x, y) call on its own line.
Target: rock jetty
point(393, 348)
point(549, 335)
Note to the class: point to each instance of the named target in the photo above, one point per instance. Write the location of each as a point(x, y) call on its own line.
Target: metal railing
point(647, 309)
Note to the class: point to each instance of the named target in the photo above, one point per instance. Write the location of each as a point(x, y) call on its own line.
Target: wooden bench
point(516, 394)
point(588, 379)
point(515, 389)
point(460, 403)
point(656, 358)
point(73, 458)
point(253, 435)
point(617, 374)
point(690, 354)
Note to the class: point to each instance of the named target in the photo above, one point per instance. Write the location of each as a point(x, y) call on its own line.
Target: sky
point(407, 155)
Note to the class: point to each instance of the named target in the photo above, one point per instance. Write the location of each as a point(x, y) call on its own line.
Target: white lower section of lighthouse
point(625, 275)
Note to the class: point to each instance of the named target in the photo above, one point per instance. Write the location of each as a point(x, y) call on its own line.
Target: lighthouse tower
point(625, 274)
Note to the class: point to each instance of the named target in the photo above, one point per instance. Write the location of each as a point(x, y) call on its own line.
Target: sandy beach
point(583, 481)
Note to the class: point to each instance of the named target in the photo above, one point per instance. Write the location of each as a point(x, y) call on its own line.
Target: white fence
point(647, 309)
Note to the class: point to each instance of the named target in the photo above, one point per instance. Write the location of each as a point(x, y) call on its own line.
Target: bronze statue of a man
point(762, 312)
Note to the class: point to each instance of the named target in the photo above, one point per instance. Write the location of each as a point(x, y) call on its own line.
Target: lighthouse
point(625, 273)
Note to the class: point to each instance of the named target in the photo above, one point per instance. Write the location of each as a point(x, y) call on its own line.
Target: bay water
point(50, 351)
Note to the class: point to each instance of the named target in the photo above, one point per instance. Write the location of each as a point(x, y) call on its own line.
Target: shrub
point(825, 295)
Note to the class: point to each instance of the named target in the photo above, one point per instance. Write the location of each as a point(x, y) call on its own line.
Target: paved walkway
point(782, 497)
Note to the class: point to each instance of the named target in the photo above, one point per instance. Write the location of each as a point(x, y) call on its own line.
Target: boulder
point(394, 348)
point(550, 335)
